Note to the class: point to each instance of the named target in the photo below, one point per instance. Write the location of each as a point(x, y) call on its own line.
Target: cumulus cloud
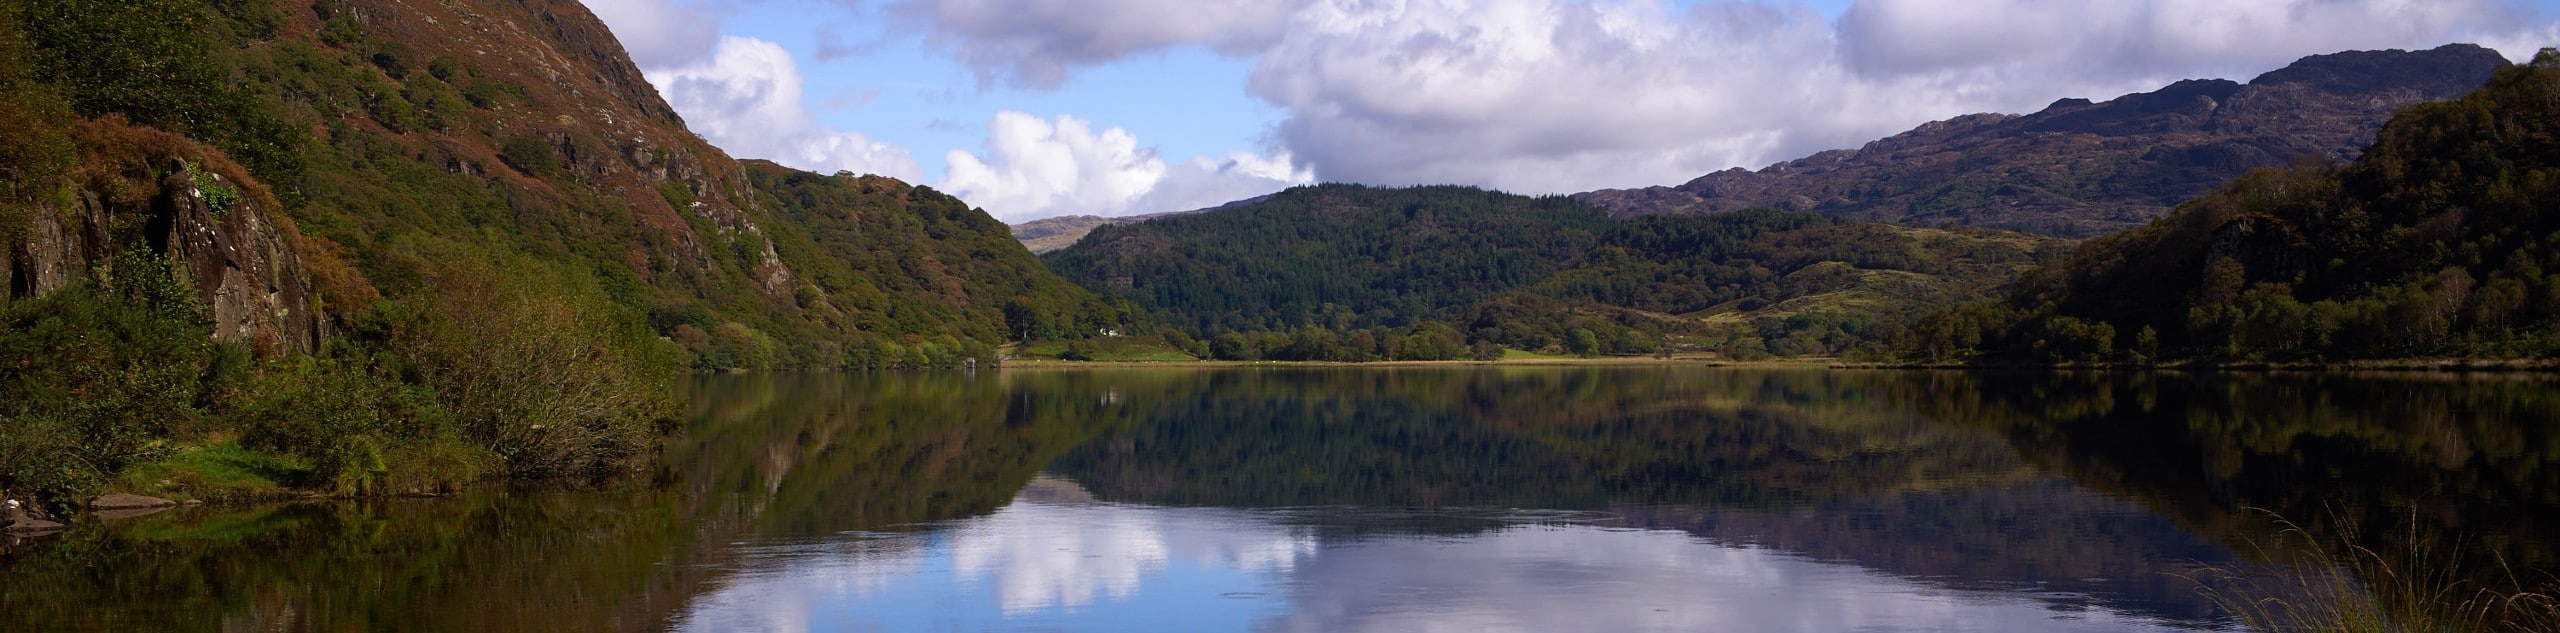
point(1569, 95)
point(659, 32)
point(1036, 167)
point(1036, 43)
point(2148, 39)
point(746, 98)
point(1557, 96)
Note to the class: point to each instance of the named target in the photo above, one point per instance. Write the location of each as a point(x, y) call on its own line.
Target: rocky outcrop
point(2082, 168)
point(218, 232)
point(243, 262)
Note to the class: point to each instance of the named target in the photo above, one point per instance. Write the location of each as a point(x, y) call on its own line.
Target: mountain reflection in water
point(1650, 498)
point(1043, 563)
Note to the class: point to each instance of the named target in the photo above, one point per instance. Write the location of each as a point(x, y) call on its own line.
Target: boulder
point(15, 519)
point(119, 515)
point(122, 501)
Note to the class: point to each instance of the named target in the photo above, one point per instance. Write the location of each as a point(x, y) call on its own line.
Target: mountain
point(1343, 255)
point(1349, 272)
point(2079, 168)
point(2434, 242)
point(1049, 234)
point(411, 243)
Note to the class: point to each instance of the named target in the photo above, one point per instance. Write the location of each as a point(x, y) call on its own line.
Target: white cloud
point(1548, 96)
point(1036, 43)
point(1555, 96)
point(2151, 38)
point(746, 98)
point(1035, 167)
point(659, 32)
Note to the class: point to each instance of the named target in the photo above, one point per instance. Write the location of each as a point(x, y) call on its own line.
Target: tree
point(1582, 342)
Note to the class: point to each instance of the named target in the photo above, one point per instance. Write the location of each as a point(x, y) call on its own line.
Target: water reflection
point(1040, 564)
point(1652, 498)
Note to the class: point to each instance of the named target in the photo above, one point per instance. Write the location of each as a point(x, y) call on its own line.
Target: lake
point(1573, 498)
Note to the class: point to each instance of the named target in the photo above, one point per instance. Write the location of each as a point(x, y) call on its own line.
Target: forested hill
point(1347, 272)
point(1344, 256)
point(2440, 240)
point(412, 142)
point(2079, 168)
point(441, 238)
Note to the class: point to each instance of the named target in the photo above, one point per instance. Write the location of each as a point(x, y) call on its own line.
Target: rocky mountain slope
point(2435, 241)
point(402, 245)
point(2079, 168)
point(404, 138)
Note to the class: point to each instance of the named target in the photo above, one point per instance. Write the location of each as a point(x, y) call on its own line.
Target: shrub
point(344, 417)
point(96, 374)
point(549, 388)
point(530, 153)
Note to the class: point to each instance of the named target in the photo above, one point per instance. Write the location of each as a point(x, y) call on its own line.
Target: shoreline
point(2404, 365)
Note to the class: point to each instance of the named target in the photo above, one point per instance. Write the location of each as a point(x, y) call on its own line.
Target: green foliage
point(531, 154)
point(1078, 351)
point(158, 63)
point(218, 195)
point(484, 323)
point(885, 260)
point(552, 388)
point(1526, 273)
point(98, 374)
point(1581, 342)
point(1340, 257)
point(2434, 242)
point(37, 153)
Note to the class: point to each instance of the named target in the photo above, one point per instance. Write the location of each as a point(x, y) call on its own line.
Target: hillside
point(1346, 256)
point(1346, 272)
point(1757, 283)
point(403, 244)
point(2434, 242)
point(2079, 168)
point(1049, 234)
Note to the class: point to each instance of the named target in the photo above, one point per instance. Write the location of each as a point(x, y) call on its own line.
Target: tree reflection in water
point(2081, 493)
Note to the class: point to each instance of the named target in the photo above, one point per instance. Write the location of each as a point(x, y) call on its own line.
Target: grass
point(2357, 589)
point(1112, 349)
point(219, 472)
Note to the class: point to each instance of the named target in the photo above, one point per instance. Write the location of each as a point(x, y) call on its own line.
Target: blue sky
point(1032, 108)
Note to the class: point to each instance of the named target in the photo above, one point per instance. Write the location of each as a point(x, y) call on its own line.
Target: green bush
point(531, 154)
point(98, 374)
point(550, 388)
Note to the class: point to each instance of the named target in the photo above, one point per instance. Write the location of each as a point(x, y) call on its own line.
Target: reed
point(2421, 587)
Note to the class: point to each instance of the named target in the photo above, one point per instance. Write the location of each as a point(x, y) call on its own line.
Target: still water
point(1445, 499)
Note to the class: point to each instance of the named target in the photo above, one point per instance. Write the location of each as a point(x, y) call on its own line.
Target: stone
point(119, 515)
point(122, 501)
point(18, 520)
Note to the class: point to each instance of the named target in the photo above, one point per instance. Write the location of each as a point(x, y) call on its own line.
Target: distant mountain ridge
point(2080, 168)
point(1053, 233)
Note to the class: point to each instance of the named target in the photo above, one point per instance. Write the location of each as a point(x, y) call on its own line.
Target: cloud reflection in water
point(1055, 561)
